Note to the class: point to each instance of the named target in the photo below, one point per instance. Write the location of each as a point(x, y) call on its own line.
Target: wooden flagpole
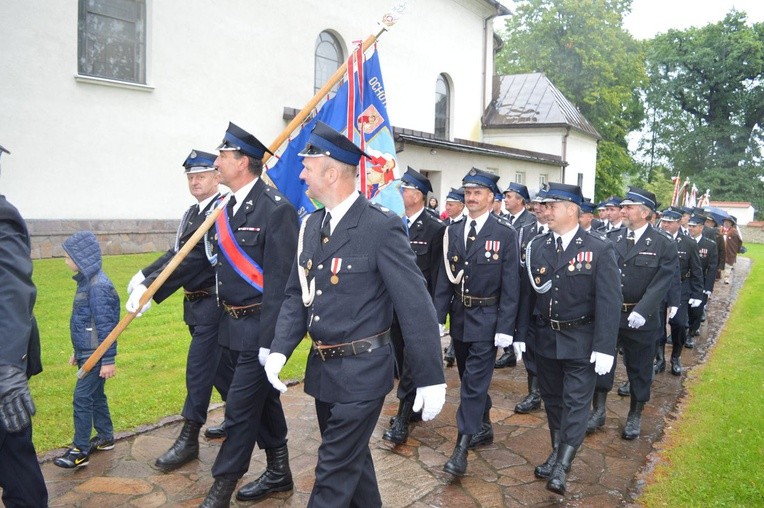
point(387, 22)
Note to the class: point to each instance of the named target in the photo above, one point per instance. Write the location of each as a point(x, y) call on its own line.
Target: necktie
point(472, 234)
point(559, 248)
point(231, 204)
point(541, 229)
point(630, 239)
point(511, 219)
point(326, 228)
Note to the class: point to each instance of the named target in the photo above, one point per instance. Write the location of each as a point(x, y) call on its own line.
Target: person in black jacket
point(709, 260)
point(20, 475)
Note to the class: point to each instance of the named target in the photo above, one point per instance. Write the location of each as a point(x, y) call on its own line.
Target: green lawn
point(715, 452)
point(151, 356)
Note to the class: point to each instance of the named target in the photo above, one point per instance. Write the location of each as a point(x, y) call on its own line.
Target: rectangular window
point(580, 180)
point(542, 180)
point(520, 177)
point(112, 39)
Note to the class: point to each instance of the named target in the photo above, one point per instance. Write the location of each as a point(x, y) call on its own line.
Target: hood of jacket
point(83, 248)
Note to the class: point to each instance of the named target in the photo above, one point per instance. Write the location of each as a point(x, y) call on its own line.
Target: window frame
point(326, 37)
point(442, 121)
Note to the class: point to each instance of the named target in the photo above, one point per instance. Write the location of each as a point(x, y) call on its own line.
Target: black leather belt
point(564, 325)
point(476, 301)
point(239, 311)
point(356, 347)
point(627, 307)
point(198, 294)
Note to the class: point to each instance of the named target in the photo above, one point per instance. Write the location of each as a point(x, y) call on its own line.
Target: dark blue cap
point(587, 206)
point(601, 205)
point(455, 195)
point(696, 220)
point(498, 197)
point(540, 195)
point(637, 196)
point(413, 179)
point(687, 210)
point(240, 140)
point(670, 215)
point(731, 218)
point(198, 162)
point(520, 189)
point(479, 178)
point(563, 192)
point(614, 201)
point(325, 141)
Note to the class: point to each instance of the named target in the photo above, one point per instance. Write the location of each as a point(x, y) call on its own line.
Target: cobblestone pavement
point(607, 471)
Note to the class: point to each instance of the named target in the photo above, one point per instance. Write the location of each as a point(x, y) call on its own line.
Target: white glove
point(273, 365)
point(135, 300)
point(602, 362)
point(635, 320)
point(707, 293)
point(519, 349)
point(502, 340)
point(442, 330)
point(430, 400)
point(672, 311)
point(262, 355)
point(695, 302)
point(137, 279)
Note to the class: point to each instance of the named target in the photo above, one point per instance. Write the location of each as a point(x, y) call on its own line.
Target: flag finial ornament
point(390, 18)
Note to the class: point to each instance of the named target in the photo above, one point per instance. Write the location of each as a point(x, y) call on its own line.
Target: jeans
point(91, 409)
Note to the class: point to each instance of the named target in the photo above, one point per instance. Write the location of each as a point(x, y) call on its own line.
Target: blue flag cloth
point(371, 121)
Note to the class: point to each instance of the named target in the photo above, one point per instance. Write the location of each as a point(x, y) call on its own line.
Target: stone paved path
point(607, 472)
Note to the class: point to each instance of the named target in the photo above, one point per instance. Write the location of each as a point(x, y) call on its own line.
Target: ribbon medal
point(582, 257)
point(492, 246)
point(336, 265)
point(572, 265)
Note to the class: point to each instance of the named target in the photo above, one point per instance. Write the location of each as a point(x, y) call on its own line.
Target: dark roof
point(501, 10)
point(531, 100)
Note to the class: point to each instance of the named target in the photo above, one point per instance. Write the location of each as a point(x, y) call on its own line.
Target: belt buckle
point(467, 301)
point(319, 351)
point(555, 325)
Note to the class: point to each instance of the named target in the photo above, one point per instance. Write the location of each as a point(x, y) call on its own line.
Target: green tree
point(582, 47)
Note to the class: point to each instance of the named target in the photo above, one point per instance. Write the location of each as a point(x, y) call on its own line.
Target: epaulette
point(614, 231)
point(504, 222)
point(598, 236)
point(664, 233)
point(457, 221)
point(436, 219)
point(382, 209)
point(274, 195)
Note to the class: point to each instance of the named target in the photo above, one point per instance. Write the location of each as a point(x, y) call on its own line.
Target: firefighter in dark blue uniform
point(480, 294)
point(574, 276)
point(200, 310)
point(647, 260)
point(253, 246)
point(20, 475)
point(455, 210)
point(354, 265)
point(426, 240)
point(691, 285)
point(709, 260)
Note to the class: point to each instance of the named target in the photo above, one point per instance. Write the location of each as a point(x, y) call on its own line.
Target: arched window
point(442, 107)
point(328, 59)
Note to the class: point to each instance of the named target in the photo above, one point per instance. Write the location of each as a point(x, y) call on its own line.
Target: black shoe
point(676, 366)
point(484, 437)
point(532, 401)
point(625, 389)
point(449, 356)
point(183, 450)
point(73, 458)
point(398, 433)
point(220, 493)
point(597, 416)
point(557, 480)
point(690, 342)
point(694, 333)
point(660, 360)
point(457, 464)
point(545, 470)
point(101, 444)
point(633, 421)
point(276, 478)
point(216, 432)
point(508, 359)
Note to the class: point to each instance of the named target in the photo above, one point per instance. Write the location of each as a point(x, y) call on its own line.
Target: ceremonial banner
point(362, 101)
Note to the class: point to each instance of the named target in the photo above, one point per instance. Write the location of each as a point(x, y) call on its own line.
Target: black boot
point(660, 359)
point(676, 366)
point(485, 436)
point(545, 470)
point(220, 493)
point(565, 457)
point(633, 421)
point(448, 355)
point(508, 359)
point(532, 401)
point(457, 464)
point(625, 389)
point(597, 416)
point(399, 432)
point(690, 342)
point(276, 478)
point(183, 450)
point(216, 431)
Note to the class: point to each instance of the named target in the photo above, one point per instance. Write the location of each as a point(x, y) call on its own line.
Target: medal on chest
point(336, 265)
point(492, 249)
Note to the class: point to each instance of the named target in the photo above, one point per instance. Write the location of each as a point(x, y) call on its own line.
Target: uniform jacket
point(265, 227)
point(426, 239)
point(690, 270)
point(194, 273)
point(709, 260)
point(376, 271)
point(646, 272)
point(95, 312)
point(526, 310)
point(19, 337)
point(491, 269)
point(524, 219)
point(584, 283)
